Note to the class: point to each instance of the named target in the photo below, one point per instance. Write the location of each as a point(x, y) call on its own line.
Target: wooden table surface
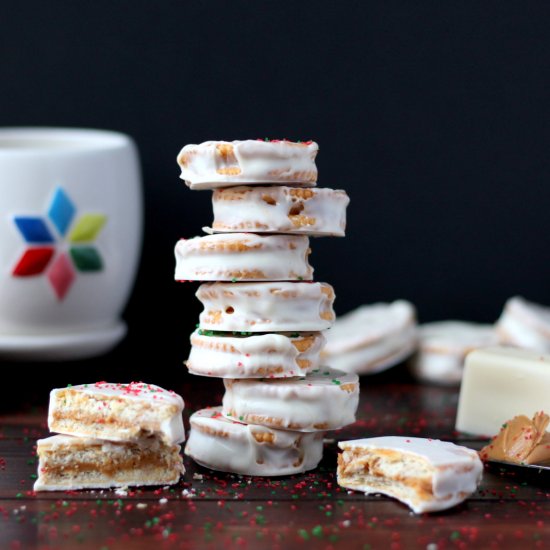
point(206, 509)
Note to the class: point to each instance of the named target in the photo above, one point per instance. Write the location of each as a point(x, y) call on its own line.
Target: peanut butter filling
point(521, 441)
point(357, 467)
point(108, 468)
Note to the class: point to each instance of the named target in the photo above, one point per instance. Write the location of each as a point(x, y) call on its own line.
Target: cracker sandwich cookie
point(248, 355)
point(524, 324)
point(228, 446)
point(117, 412)
point(326, 399)
point(372, 338)
point(278, 209)
point(428, 475)
point(443, 347)
point(266, 307)
point(227, 163)
point(69, 463)
point(243, 257)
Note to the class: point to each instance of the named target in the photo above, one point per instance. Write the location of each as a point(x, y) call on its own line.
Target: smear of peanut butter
point(521, 441)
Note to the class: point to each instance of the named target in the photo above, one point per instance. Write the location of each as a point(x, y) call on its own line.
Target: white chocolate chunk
point(500, 383)
point(280, 209)
point(266, 307)
point(326, 399)
point(271, 355)
point(225, 163)
point(228, 446)
point(426, 474)
point(243, 257)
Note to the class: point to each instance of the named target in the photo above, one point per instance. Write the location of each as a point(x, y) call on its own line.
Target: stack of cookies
point(114, 435)
point(261, 328)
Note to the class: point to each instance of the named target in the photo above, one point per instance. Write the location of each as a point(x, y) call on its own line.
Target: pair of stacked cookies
point(114, 435)
point(261, 328)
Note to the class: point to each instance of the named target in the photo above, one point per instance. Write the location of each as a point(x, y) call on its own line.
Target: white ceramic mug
point(71, 217)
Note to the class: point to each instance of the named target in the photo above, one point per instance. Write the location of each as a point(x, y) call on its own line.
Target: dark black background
point(432, 115)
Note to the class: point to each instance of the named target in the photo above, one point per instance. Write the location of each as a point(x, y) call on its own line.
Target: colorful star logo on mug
point(47, 239)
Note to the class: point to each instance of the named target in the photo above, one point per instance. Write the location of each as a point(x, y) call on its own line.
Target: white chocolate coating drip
point(279, 209)
point(525, 324)
point(243, 257)
point(372, 338)
point(426, 474)
point(266, 307)
point(270, 355)
point(221, 163)
point(443, 347)
point(326, 399)
point(221, 444)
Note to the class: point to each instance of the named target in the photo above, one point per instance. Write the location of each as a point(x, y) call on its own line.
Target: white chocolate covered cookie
point(266, 307)
point(525, 324)
point(243, 257)
point(225, 163)
point(443, 346)
point(69, 463)
point(228, 355)
point(117, 412)
point(228, 446)
point(426, 474)
point(280, 209)
point(372, 338)
point(326, 399)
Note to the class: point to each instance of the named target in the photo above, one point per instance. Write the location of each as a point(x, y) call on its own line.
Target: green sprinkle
point(241, 418)
point(69, 385)
point(19, 495)
point(304, 534)
point(317, 531)
point(234, 280)
point(337, 382)
point(455, 535)
point(300, 278)
point(259, 508)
